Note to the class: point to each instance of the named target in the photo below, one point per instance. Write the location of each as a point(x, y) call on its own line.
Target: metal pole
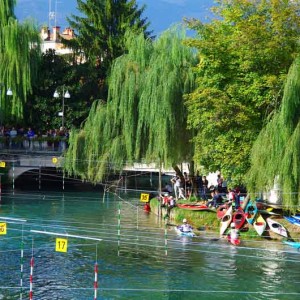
point(63, 108)
point(159, 188)
point(13, 179)
point(40, 169)
point(0, 189)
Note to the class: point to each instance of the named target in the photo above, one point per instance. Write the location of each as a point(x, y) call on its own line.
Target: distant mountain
point(161, 13)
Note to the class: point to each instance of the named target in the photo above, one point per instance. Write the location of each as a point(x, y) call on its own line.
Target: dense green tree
point(276, 152)
point(245, 54)
point(56, 73)
point(100, 32)
point(144, 118)
point(19, 56)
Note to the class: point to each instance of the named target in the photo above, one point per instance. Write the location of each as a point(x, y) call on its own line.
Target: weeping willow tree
point(276, 152)
point(144, 117)
point(19, 56)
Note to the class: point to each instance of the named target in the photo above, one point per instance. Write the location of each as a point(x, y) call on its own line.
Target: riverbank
point(208, 221)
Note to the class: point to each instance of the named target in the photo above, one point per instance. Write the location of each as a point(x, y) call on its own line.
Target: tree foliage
point(100, 32)
point(56, 73)
point(276, 151)
point(144, 118)
point(19, 56)
point(245, 54)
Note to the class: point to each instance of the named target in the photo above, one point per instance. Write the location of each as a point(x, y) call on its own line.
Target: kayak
point(226, 220)
point(221, 210)
point(277, 227)
point(193, 206)
point(260, 224)
point(268, 212)
point(293, 244)
point(250, 212)
point(297, 217)
point(293, 220)
point(233, 241)
point(239, 218)
point(182, 233)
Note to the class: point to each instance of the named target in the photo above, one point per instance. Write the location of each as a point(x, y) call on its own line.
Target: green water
point(134, 264)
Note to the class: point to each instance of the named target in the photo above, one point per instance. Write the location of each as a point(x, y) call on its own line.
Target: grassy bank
point(208, 221)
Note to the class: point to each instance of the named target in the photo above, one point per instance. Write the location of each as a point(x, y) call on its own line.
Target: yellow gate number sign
point(2, 164)
point(54, 160)
point(144, 197)
point(61, 245)
point(2, 228)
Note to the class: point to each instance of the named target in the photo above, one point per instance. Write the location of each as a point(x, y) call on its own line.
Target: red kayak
point(193, 206)
point(233, 241)
point(221, 211)
point(147, 207)
point(239, 218)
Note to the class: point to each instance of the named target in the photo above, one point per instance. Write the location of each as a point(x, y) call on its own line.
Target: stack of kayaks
point(259, 224)
point(250, 212)
point(276, 227)
point(226, 220)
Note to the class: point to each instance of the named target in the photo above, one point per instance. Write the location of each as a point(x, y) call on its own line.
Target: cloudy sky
point(161, 13)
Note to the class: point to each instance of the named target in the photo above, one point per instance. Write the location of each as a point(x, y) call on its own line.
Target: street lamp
point(8, 93)
point(64, 95)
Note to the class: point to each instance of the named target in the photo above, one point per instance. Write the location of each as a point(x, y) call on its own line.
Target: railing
point(21, 144)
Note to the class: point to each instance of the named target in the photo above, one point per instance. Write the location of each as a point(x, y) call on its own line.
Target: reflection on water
point(132, 265)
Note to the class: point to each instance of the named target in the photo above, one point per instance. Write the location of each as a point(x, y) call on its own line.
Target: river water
point(134, 260)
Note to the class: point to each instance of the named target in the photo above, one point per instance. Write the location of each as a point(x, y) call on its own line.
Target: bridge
point(17, 159)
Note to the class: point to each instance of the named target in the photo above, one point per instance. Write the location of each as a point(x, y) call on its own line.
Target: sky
point(161, 13)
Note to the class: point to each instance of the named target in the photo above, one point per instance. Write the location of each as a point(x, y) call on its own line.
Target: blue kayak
point(293, 220)
point(293, 244)
point(250, 212)
point(183, 233)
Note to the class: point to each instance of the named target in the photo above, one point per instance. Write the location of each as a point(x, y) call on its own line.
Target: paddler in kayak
point(233, 236)
point(185, 227)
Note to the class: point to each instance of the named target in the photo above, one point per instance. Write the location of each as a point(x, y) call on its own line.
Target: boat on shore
point(194, 206)
point(250, 212)
point(239, 218)
point(221, 211)
point(260, 224)
point(292, 220)
point(226, 220)
point(276, 227)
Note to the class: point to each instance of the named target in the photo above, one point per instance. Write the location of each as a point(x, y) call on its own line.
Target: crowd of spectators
point(12, 137)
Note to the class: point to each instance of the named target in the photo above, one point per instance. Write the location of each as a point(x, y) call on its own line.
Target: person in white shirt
point(185, 227)
point(234, 233)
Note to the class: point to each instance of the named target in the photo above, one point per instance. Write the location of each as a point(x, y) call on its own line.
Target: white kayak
point(185, 233)
point(259, 224)
point(226, 220)
point(277, 227)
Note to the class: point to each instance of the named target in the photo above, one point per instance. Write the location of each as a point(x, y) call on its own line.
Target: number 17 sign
point(61, 245)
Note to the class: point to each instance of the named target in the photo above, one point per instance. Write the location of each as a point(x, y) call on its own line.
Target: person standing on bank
point(178, 188)
point(204, 188)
